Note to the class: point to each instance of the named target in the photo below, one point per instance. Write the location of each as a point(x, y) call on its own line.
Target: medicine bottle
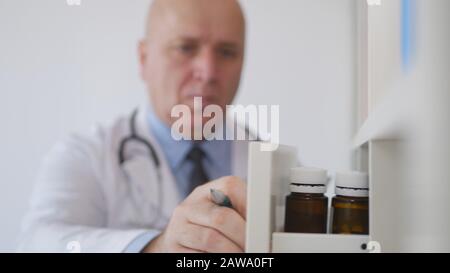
point(307, 206)
point(350, 206)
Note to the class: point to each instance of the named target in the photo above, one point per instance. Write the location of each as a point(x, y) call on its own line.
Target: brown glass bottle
point(306, 213)
point(350, 206)
point(350, 215)
point(307, 206)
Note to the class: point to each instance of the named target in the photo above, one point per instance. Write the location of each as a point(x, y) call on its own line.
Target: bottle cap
point(308, 180)
point(352, 184)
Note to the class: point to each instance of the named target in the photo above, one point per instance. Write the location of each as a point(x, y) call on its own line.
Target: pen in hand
point(219, 198)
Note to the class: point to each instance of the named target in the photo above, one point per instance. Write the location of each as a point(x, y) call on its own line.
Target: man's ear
point(142, 54)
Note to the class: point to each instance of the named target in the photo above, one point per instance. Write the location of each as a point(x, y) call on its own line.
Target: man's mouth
point(205, 99)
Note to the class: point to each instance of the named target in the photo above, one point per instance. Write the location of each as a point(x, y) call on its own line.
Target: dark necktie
point(198, 175)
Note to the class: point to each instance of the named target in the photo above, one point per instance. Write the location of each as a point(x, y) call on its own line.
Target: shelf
point(304, 243)
point(266, 190)
point(267, 186)
point(390, 119)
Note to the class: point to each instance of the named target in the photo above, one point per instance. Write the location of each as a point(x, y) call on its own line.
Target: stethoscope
point(133, 137)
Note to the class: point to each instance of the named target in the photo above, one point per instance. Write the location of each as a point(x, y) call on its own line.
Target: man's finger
point(182, 249)
point(225, 220)
point(232, 186)
point(205, 239)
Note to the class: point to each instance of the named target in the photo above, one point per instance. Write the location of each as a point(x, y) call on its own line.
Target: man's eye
point(186, 48)
point(227, 52)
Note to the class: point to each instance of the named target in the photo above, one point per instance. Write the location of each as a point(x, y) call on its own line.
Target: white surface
point(64, 68)
point(308, 175)
point(268, 180)
point(387, 206)
point(408, 131)
point(391, 118)
point(318, 243)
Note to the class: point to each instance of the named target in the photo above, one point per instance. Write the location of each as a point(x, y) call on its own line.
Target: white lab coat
point(82, 195)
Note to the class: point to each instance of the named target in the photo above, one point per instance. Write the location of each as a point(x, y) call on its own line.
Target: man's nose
point(206, 66)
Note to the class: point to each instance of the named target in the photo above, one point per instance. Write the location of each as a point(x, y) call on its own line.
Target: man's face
point(194, 48)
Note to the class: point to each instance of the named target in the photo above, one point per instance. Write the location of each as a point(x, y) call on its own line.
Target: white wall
point(64, 68)
point(301, 55)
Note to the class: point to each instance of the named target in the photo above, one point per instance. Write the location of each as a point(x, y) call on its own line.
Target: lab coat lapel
point(171, 196)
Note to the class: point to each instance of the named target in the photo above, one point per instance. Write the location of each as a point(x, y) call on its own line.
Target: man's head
point(192, 48)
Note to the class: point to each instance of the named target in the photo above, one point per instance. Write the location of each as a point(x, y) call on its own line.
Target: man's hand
point(199, 225)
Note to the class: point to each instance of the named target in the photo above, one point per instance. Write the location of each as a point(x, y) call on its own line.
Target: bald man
point(89, 199)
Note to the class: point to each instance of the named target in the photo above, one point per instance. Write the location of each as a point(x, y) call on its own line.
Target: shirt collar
point(177, 150)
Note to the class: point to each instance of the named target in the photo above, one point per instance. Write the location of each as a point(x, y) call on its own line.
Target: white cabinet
point(268, 186)
point(402, 140)
point(403, 131)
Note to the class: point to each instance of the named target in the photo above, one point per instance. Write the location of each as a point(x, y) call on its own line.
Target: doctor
point(129, 186)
